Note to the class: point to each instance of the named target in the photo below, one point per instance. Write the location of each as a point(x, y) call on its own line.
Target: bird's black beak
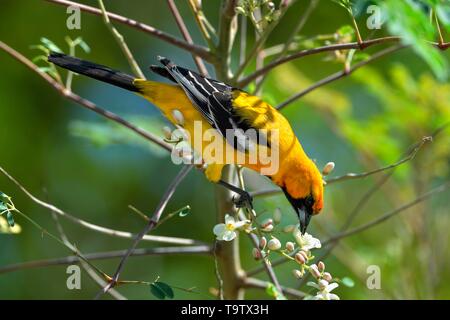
point(304, 210)
point(304, 216)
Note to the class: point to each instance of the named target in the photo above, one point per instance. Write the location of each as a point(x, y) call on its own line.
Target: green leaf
point(3, 207)
point(50, 45)
point(84, 46)
point(348, 282)
point(10, 219)
point(272, 291)
point(157, 291)
point(165, 288)
point(183, 212)
point(408, 20)
point(4, 197)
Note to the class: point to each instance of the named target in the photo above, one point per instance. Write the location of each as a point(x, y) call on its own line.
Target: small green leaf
point(348, 282)
point(4, 197)
point(165, 288)
point(157, 291)
point(50, 45)
point(10, 219)
point(84, 46)
point(183, 212)
point(3, 207)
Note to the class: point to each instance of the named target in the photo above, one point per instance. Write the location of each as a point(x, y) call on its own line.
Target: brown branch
point(186, 35)
point(388, 215)
point(81, 101)
point(411, 155)
point(303, 53)
point(227, 30)
point(363, 200)
point(340, 74)
point(149, 227)
point(198, 50)
point(200, 249)
point(91, 226)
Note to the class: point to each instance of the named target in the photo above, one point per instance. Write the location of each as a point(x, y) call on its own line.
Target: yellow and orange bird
point(224, 108)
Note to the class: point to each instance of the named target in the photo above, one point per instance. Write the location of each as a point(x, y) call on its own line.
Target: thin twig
point(202, 22)
point(410, 156)
point(388, 215)
point(84, 102)
point(198, 50)
point(186, 35)
point(227, 30)
point(341, 74)
point(140, 252)
point(121, 42)
point(94, 227)
point(301, 23)
point(150, 225)
point(255, 241)
point(360, 204)
point(260, 41)
point(90, 271)
point(303, 53)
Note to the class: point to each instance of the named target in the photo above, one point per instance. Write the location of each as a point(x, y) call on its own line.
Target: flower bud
point(304, 254)
point(256, 254)
point(328, 168)
point(290, 246)
point(322, 284)
point(327, 276)
point(314, 271)
point(271, 6)
point(274, 244)
point(167, 132)
point(299, 258)
point(266, 223)
point(277, 216)
point(178, 116)
point(269, 228)
point(262, 243)
point(297, 273)
point(321, 266)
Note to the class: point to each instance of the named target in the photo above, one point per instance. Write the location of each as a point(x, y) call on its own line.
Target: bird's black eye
point(309, 201)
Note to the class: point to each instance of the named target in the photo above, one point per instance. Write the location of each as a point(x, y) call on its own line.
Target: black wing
point(214, 101)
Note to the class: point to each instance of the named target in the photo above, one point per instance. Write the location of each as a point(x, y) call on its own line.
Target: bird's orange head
point(303, 187)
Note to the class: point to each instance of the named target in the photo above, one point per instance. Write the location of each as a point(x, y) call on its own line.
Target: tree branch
point(340, 74)
point(83, 102)
point(198, 50)
point(121, 42)
point(94, 227)
point(388, 215)
point(149, 227)
point(200, 249)
point(351, 176)
point(303, 53)
point(227, 30)
point(186, 35)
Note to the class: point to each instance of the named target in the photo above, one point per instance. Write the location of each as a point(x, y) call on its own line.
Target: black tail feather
point(94, 70)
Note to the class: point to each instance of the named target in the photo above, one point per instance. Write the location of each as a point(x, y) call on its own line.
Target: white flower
point(325, 289)
point(226, 231)
point(306, 241)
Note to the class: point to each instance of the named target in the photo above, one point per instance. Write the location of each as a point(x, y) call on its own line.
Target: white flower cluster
point(298, 250)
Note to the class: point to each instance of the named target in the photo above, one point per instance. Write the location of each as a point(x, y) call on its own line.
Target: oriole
point(224, 108)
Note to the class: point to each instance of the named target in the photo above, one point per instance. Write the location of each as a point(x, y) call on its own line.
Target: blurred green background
point(59, 151)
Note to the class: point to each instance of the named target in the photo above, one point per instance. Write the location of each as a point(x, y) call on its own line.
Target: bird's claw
point(244, 200)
